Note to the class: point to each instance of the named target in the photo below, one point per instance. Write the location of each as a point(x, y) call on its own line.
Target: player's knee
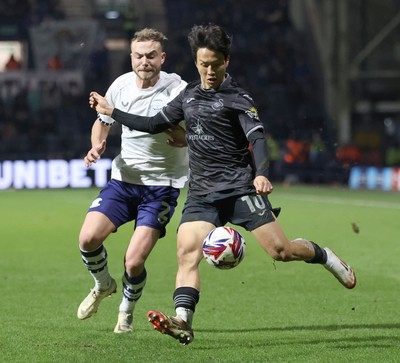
point(189, 258)
point(282, 255)
point(89, 241)
point(134, 265)
point(181, 252)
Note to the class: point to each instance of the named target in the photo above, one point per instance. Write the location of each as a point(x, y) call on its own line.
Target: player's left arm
point(254, 131)
point(260, 156)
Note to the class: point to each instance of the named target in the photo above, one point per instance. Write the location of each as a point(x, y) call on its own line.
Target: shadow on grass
point(309, 328)
point(379, 341)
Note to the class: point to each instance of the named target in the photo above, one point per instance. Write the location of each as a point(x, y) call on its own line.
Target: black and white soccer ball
point(224, 248)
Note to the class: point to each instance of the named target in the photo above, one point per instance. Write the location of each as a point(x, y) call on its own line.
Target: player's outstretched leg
point(340, 269)
point(173, 326)
point(91, 303)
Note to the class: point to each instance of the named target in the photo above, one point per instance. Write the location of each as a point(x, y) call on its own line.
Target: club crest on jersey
point(253, 113)
point(157, 104)
point(218, 105)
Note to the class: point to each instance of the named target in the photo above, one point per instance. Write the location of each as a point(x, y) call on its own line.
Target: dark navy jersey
point(218, 124)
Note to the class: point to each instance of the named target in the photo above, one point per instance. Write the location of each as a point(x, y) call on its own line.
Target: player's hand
point(176, 136)
point(100, 104)
point(263, 185)
point(94, 153)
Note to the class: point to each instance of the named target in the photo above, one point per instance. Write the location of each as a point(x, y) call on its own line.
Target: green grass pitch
point(260, 311)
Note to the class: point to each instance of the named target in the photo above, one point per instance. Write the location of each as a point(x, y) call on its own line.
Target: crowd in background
point(268, 59)
point(20, 15)
point(44, 122)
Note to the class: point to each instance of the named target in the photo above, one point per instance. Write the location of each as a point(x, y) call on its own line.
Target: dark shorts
point(151, 206)
point(248, 210)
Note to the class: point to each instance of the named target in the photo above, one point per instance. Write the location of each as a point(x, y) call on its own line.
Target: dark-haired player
point(228, 183)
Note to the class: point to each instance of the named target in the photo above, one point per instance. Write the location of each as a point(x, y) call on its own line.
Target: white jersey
point(146, 159)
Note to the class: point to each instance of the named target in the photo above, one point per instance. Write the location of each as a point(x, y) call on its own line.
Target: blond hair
point(149, 34)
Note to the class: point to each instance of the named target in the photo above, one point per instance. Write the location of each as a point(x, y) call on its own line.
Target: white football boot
point(91, 303)
point(340, 269)
point(124, 323)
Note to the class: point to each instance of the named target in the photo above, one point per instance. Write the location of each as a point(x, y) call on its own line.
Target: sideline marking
point(355, 202)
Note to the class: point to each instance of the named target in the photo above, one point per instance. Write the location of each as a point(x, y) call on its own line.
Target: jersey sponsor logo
point(125, 104)
point(219, 105)
point(96, 203)
point(190, 100)
point(198, 129)
point(199, 133)
point(253, 113)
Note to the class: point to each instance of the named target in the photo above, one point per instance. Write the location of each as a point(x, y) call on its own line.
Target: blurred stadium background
point(325, 75)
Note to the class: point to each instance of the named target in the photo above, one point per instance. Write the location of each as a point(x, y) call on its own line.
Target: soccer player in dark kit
point(228, 180)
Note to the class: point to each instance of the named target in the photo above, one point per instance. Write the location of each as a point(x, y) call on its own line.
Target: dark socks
point(186, 297)
point(320, 254)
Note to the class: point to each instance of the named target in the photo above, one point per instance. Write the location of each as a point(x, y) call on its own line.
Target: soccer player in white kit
point(145, 178)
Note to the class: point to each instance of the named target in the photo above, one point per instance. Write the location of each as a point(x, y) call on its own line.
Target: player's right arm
point(98, 139)
point(153, 125)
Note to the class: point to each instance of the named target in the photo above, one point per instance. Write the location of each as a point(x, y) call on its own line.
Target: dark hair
point(209, 36)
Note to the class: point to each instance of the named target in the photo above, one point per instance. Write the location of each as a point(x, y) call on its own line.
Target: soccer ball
point(224, 248)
